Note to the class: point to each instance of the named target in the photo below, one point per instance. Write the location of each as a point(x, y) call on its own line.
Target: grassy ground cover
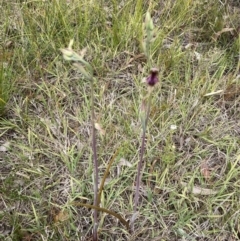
point(190, 186)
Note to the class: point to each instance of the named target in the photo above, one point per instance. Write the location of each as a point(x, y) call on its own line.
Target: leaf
point(100, 129)
point(173, 127)
point(122, 162)
point(83, 52)
point(27, 236)
point(83, 71)
point(198, 190)
point(133, 218)
point(198, 55)
point(224, 30)
point(5, 147)
point(204, 169)
point(61, 216)
point(106, 181)
point(214, 93)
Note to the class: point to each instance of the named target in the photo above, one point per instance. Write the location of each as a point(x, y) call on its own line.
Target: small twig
point(118, 216)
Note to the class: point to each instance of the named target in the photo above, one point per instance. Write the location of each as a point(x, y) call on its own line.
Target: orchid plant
point(151, 82)
point(87, 71)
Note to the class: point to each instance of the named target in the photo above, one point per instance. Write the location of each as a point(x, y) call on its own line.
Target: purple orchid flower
point(152, 79)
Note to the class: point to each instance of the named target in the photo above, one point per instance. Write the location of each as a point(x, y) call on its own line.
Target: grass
point(47, 120)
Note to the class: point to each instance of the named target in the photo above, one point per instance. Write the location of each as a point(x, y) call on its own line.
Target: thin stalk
point(105, 176)
point(95, 161)
point(141, 158)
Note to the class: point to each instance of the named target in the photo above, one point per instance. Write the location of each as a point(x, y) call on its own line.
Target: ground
point(190, 177)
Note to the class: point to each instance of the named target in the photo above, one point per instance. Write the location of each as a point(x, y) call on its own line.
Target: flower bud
point(149, 22)
point(67, 54)
point(152, 79)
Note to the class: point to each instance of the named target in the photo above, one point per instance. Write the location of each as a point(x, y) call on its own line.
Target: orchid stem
point(141, 157)
point(95, 162)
